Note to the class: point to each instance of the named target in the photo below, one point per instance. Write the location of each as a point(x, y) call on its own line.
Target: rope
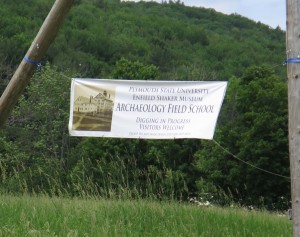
point(249, 164)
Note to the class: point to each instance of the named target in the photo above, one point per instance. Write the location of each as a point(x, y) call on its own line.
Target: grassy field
point(45, 216)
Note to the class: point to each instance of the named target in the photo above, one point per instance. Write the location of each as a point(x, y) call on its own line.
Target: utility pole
point(293, 71)
point(35, 53)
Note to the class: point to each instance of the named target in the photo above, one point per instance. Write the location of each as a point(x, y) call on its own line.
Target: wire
point(249, 164)
point(224, 149)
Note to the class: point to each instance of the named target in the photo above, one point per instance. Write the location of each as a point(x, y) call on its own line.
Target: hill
point(184, 42)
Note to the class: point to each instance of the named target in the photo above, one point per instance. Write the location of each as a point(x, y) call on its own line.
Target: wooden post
point(293, 68)
point(35, 53)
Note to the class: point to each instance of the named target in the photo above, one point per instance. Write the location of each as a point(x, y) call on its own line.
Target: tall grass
point(45, 216)
point(115, 200)
point(111, 178)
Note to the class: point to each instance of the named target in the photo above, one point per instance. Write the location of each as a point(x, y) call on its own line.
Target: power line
point(249, 164)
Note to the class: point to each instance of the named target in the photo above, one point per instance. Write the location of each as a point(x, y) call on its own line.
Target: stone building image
point(100, 104)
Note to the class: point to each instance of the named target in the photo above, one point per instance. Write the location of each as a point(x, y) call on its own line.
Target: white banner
point(145, 109)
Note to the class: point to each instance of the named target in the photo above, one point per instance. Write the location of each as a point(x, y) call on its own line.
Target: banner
point(145, 109)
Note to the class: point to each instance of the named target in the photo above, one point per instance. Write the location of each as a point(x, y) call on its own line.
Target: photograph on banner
point(93, 107)
point(145, 109)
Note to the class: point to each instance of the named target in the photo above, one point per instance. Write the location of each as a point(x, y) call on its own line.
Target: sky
point(269, 12)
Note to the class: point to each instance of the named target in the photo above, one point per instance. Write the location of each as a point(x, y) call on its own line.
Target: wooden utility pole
point(35, 53)
point(293, 69)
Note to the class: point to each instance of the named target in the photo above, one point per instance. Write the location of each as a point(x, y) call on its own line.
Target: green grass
point(45, 216)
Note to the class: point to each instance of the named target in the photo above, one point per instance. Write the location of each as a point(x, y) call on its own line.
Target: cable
point(224, 149)
point(249, 164)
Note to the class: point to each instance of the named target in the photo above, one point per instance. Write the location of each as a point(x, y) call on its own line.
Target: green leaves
point(149, 41)
point(253, 127)
point(126, 69)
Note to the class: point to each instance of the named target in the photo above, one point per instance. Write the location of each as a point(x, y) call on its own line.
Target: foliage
point(256, 132)
point(125, 69)
point(97, 34)
point(147, 40)
point(38, 127)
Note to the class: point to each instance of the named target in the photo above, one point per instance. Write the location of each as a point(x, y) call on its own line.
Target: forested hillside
point(168, 41)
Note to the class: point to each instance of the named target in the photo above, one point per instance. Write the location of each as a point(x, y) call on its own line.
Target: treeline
point(168, 41)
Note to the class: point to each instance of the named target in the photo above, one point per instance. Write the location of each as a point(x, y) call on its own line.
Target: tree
point(38, 129)
point(254, 128)
point(126, 69)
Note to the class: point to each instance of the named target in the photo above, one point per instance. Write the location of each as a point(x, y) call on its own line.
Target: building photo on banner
point(145, 109)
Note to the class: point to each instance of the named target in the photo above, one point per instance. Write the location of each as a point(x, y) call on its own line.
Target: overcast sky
point(269, 12)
